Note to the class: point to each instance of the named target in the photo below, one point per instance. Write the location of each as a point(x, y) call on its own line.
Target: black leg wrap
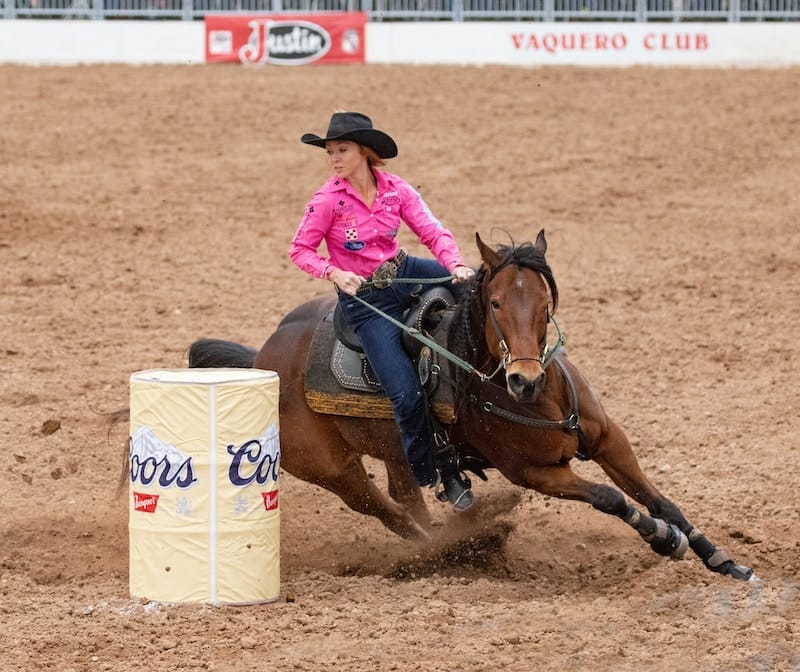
point(664, 539)
point(640, 522)
point(700, 545)
point(716, 559)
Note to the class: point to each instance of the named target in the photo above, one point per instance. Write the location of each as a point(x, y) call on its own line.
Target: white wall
point(587, 44)
point(469, 43)
point(65, 42)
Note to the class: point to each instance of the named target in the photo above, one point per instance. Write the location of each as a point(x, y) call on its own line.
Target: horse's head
point(519, 296)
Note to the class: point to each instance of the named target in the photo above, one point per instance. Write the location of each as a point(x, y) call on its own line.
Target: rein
point(570, 423)
point(380, 284)
point(548, 354)
point(418, 335)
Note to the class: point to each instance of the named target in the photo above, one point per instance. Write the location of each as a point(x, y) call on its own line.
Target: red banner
point(145, 502)
point(270, 500)
point(286, 40)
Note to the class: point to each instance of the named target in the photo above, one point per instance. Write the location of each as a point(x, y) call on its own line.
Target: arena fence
point(418, 10)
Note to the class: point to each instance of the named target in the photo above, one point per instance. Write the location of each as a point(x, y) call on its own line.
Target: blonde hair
point(373, 159)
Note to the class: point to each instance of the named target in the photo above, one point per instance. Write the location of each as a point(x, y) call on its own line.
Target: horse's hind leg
point(404, 490)
point(313, 450)
point(357, 490)
point(616, 457)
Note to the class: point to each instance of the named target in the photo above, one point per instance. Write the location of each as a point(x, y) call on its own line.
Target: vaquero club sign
point(286, 40)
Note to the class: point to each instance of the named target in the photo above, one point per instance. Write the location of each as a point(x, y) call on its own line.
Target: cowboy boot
point(451, 486)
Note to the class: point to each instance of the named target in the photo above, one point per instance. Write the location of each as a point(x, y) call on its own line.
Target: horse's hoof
point(418, 534)
point(742, 573)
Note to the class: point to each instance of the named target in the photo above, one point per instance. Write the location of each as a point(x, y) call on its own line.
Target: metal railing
point(419, 10)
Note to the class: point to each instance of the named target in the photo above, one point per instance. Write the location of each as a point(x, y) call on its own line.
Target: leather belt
point(383, 275)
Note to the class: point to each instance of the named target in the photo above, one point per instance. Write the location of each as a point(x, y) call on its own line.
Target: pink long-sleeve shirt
point(360, 238)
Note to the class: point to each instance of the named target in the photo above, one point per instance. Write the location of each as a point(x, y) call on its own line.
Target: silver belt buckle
point(384, 274)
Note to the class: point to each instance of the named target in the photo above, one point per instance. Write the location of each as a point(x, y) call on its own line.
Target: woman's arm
point(430, 231)
point(310, 233)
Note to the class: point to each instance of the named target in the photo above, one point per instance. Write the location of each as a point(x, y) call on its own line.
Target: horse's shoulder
point(590, 407)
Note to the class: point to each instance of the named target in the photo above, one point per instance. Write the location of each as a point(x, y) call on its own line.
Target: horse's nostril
point(517, 382)
point(523, 387)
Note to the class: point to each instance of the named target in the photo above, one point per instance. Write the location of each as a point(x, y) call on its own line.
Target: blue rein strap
point(549, 353)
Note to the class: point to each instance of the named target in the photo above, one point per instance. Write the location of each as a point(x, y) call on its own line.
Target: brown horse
point(521, 408)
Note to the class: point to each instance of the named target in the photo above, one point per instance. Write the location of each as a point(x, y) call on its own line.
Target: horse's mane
point(465, 335)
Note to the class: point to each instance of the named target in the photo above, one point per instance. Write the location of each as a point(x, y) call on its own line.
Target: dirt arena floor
point(144, 207)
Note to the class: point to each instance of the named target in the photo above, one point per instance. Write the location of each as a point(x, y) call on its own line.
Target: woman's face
point(345, 157)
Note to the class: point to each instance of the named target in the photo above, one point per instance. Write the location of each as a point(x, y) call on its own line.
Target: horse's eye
point(495, 304)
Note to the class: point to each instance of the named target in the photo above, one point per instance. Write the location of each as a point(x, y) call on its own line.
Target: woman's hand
point(463, 274)
point(346, 281)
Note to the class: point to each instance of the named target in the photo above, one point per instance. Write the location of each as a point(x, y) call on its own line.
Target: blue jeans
point(383, 346)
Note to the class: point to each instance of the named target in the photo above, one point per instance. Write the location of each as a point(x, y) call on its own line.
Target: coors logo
point(155, 461)
point(257, 460)
point(284, 42)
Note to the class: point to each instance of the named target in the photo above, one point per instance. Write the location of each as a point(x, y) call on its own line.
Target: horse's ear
point(489, 256)
point(541, 243)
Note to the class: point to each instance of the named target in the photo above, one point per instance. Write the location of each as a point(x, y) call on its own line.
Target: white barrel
point(204, 517)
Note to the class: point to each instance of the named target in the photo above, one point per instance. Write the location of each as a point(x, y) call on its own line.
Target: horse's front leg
point(616, 457)
point(560, 481)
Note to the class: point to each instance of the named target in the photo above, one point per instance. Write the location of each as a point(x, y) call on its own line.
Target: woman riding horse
point(523, 408)
point(357, 213)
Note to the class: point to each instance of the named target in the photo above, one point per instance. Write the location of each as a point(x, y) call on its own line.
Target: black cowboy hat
point(357, 128)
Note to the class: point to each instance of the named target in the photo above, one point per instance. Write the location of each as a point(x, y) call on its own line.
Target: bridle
point(571, 422)
point(547, 353)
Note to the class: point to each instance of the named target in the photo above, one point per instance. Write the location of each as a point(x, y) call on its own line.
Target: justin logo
point(284, 42)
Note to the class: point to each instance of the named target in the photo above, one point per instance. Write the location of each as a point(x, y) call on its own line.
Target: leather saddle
point(349, 363)
point(340, 381)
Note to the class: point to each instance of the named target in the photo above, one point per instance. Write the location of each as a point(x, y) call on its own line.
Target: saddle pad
point(325, 394)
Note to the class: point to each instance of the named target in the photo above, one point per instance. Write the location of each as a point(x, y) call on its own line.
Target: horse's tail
point(213, 352)
point(123, 415)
